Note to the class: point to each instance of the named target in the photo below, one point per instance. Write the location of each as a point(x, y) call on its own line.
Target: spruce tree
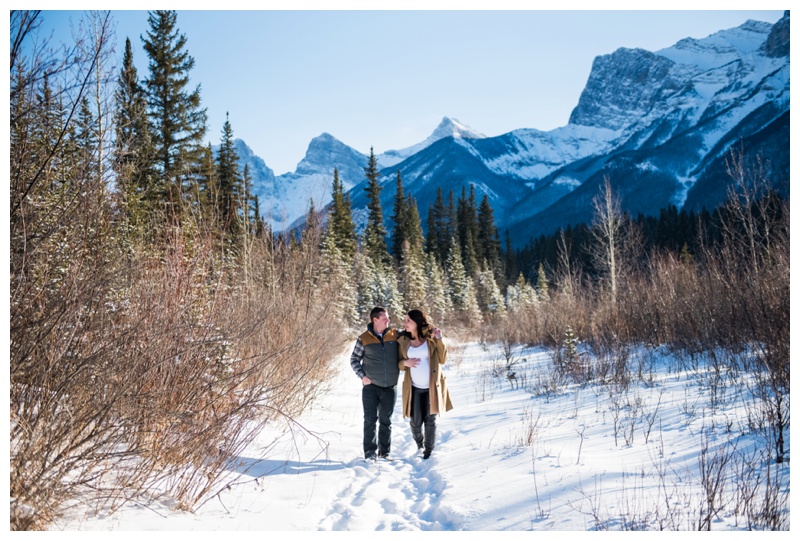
point(339, 273)
point(511, 266)
point(133, 149)
point(86, 138)
point(488, 243)
point(343, 230)
point(541, 284)
point(412, 268)
point(490, 300)
point(375, 232)
point(207, 185)
point(462, 294)
point(412, 277)
point(436, 297)
point(178, 122)
point(439, 228)
point(247, 199)
point(229, 180)
point(400, 219)
point(259, 221)
point(413, 232)
point(467, 231)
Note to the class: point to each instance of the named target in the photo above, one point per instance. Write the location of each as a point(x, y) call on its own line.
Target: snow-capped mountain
point(659, 125)
point(448, 127)
point(285, 199)
point(679, 113)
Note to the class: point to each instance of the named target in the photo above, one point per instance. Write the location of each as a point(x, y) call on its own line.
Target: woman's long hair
point(424, 324)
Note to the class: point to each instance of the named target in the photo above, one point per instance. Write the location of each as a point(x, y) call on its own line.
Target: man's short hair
point(376, 312)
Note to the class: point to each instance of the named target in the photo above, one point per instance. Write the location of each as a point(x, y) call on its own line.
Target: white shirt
point(420, 374)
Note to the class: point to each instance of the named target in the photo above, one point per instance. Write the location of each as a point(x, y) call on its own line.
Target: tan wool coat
point(439, 394)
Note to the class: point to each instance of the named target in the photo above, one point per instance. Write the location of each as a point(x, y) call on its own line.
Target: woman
point(425, 394)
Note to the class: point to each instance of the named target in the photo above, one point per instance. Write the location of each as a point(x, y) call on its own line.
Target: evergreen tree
point(229, 180)
point(86, 138)
point(177, 120)
point(400, 219)
point(412, 268)
point(343, 230)
point(248, 200)
point(375, 232)
point(259, 221)
point(467, 231)
point(439, 228)
point(488, 240)
point(470, 256)
point(133, 148)
point(312, 233)
point(489, 298)
point(412, 277)
point(511, 265)
point(207, 185)
point(436, 297)
point(461, 292)
point(377, 285)
point(413, 234)
point(337, 269)
point(541, 284)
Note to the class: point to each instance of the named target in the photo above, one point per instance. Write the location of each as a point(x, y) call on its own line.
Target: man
point(374, 360)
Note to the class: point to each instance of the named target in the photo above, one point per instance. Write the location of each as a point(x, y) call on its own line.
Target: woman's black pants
point(422, 418)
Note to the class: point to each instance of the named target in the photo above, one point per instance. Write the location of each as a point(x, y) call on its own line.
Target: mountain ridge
point(658, 124)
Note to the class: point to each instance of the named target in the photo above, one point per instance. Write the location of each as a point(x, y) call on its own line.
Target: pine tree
point(414, 234)
point(312, 232)
point(412, 277)
point(461, 292)
point(489, 298)
point(133, 148)
point(260, 229)
point(439, 228)
point(248, 199)
point(337, 268)
point(343, 230)
point(467, 231)
point(177, 120)
point(412, 267)
point(511, 266)
point(377, 285)
point(375, 232)
point(436, 298)
point(86, 138)
point(470, 255)
point(229, 179)
point(541, 284)
point(400, 219)
point(207, 183)
point(488, 240)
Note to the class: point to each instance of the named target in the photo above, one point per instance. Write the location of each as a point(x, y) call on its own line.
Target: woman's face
point(410, 326)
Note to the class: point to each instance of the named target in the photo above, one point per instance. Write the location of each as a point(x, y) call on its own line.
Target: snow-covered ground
point(545, 455)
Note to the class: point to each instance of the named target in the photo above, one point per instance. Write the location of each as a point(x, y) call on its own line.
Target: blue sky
point(385, 79)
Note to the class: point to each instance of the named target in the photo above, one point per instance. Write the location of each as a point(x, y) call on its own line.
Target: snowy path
point(576, 458)
point(404, 493)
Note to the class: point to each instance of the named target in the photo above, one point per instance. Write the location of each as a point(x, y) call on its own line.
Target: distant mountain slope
point(659, 125)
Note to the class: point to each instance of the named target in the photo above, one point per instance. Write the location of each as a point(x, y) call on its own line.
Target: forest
point(157, 323)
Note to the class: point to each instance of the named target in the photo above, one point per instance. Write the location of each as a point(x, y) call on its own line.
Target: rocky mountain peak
point(622, 85)
point(777, 43)
point(451, 127)
point(323, 151)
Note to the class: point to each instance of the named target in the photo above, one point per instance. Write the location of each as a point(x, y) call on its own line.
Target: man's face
point(381, 322)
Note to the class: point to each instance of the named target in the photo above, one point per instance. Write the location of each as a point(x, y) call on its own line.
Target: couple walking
point(378, 357)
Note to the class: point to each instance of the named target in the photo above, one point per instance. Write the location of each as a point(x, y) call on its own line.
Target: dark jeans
point(421, 416)
point(378, 408)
